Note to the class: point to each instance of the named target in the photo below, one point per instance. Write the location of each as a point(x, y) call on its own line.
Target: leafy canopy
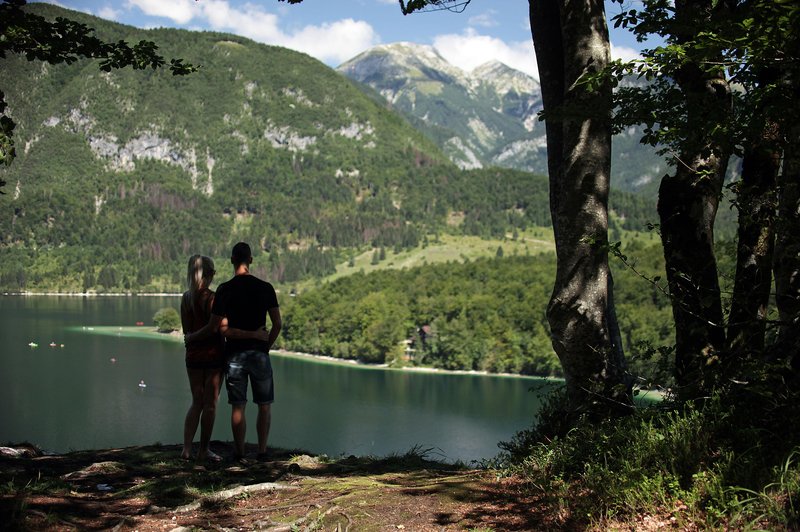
point(753, 44)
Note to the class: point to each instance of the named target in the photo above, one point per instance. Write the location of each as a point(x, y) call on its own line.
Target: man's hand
point(262, 334)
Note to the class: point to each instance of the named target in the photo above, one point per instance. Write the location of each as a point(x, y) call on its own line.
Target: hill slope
point(121, 176)
point(263, 144)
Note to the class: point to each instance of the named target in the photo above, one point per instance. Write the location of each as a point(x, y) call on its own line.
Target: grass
point(453, 248)
point(441, 249)
point(732, 462)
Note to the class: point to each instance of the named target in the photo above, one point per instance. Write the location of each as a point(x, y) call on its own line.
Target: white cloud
point(249, 21)
point(333, 42)
point(470, 49)
point(180, 11)
point(108, 13)
point(486, 19)
point(624, 52)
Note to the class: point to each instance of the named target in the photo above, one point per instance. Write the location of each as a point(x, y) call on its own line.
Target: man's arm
point(275, 330)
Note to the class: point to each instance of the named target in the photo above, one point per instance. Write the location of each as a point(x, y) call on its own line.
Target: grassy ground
point(454, 248)
point(151, 488)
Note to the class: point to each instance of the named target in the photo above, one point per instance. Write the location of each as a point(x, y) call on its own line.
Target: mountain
point(121, 176)
point(487, 117)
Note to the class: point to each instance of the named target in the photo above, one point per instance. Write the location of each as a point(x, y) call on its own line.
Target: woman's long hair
point(198, 275)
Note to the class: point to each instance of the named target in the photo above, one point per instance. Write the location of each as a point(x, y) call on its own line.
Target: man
point(241, 306)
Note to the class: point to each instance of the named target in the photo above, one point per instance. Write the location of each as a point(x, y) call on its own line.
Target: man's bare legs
point(239, 428)
point(262, 426)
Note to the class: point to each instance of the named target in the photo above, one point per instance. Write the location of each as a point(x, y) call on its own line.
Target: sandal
point(211, 456)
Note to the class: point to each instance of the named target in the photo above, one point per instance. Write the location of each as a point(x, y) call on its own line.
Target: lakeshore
point(177, 336)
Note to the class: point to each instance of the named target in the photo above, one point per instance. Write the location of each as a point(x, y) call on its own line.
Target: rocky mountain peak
point(402, 60)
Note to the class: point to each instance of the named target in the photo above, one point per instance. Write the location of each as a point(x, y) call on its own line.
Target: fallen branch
point(232, 492)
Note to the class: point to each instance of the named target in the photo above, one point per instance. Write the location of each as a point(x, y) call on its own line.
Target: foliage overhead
point(754, 44)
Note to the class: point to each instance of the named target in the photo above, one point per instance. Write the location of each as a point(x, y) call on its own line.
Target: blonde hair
point(199, 274)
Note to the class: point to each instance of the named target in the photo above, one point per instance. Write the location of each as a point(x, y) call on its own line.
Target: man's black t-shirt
point(244, 300)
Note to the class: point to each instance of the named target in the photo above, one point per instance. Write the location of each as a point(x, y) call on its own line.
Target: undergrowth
point(729, 461)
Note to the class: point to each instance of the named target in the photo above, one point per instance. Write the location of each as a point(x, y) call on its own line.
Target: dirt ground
point(151, 488)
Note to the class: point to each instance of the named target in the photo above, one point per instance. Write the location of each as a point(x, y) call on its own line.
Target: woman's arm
point(261, 334)
point(241, 334)
point(209, 329)
point(186, 318)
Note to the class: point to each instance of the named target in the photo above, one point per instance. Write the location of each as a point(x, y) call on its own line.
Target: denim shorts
point(255, 365)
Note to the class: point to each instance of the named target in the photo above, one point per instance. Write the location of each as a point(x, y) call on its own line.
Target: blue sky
point(334, 31)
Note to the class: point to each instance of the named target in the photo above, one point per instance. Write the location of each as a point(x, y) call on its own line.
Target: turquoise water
point(75, 397)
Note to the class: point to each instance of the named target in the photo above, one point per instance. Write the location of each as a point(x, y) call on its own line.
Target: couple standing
point(226, 333)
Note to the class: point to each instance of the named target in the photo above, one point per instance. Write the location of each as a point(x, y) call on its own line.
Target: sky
point(334, 31)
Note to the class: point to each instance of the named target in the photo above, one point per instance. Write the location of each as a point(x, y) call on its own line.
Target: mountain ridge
point(486, 117)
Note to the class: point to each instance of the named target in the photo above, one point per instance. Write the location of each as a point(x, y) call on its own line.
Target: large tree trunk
point(756, 241)
point(787, 254)
point(571, 38)
point(687, 207)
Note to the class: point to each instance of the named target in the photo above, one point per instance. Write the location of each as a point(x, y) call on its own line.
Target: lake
point(72, 396)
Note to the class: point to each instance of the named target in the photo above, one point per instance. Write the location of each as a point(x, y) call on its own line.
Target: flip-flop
point(242, 461)
point(211, 456)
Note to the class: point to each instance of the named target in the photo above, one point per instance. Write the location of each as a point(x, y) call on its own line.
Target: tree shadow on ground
point(122, 487)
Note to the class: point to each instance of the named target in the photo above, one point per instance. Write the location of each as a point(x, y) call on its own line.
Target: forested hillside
point(122, 175)
point(486, 315)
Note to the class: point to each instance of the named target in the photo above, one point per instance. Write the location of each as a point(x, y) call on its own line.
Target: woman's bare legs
point(196, 385)
point(211, 386)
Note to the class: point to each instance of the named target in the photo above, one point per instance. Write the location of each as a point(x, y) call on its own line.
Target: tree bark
point(687, 207)
point(571, 38)
point(755, 246)
point(787, 254)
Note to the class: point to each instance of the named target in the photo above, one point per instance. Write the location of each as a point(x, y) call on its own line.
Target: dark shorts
point(256, 366)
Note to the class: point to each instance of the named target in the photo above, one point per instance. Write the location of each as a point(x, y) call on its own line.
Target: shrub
point(167, 320)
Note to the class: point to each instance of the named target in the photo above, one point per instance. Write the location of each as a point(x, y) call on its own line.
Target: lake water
point(74, 397)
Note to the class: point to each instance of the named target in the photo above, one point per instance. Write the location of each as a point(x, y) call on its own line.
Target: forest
point(481, 315)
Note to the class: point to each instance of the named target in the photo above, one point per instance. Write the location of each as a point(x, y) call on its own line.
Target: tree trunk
point(571, 38)
point(687, 207)
point(787, 254)
point(755, 246)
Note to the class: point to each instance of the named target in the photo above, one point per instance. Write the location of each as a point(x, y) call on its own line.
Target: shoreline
point(149, 332)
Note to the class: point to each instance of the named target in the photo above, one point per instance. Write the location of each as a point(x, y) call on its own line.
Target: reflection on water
point(76, 397)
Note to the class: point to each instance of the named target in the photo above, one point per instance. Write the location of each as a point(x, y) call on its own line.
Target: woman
point(205, 359)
